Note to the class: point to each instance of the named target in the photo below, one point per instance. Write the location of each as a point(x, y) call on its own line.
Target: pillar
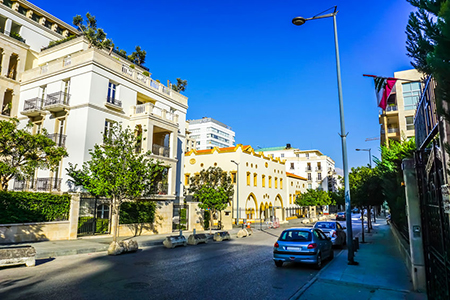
point(8, 25)
point(73, 216)
point(5, 63)
point(2, 96)
point(147, 144)
point(414, 226)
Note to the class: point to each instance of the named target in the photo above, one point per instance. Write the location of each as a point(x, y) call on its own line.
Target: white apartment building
point(263, 189)
point(210, 133)
point(397, 121)
point(77, 93)
point(317, 168)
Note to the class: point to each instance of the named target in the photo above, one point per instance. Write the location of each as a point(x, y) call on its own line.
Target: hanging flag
point(383, 89)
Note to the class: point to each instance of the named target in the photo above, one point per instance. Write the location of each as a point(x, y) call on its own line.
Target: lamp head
point(298, 21)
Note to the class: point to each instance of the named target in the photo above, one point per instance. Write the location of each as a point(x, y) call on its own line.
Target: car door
point(325, 243)
point(340, 232)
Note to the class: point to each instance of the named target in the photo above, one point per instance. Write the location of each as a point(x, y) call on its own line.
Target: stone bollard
point(195, 239)
point(221, 236)
point(175, 240)
point(17, 256)
point(126, 246)
point(242, 233)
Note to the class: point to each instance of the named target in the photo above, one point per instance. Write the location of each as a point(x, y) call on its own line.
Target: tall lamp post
point(237, 191)
point(300, 21)
point(370, 155)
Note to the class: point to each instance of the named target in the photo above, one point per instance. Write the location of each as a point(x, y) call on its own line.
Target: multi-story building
point(263, 189)
point(77, 92)
point(24, 30)
point(317, 168)
point(210, 133)
point(190, 142)
point(397, 121)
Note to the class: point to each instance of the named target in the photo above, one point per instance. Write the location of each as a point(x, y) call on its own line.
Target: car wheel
point(278, 263)
point(319, 262)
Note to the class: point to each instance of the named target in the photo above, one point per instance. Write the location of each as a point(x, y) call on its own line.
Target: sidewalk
point(381, 273)
point(51, 249)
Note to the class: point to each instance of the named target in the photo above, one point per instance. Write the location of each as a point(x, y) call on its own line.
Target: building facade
point(397, 121)
point(210, 133)
point(317, 168)
point(262, 190)
point(77, 93)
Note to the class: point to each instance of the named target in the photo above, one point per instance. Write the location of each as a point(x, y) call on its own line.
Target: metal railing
point(161, 150)
point(392, 130)
point(113, 101)
point(160, 189)
point(33, 104)
point(425, 120)
point(19, 185)
point(57, 98)
point(59, 139)
point(140, 109)
point(48, 184)
point(392, 108)
point(308, 169)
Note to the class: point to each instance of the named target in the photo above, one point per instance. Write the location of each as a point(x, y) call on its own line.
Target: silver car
point(304, 245)
point(333, 230)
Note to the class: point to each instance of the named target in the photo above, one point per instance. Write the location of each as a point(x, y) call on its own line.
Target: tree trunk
point(115, 219)
point(210, 221)
point(368, 219)
point(362, 225)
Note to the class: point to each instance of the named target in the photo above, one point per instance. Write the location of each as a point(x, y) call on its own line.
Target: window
point(411, 94)
point(103, 211)
point(290, 198)
point(66, 89)
point(107, 133)
point(248, 178)
point(295, 235)
point(270, 181)
point(307, 155)
point(186, 179)
point(292, 166)
point(319, 176)
point(309, 186)
point(263, 180)
point(309, 176)
point(255, 179)
point(111, 92)
point(282, 154)
point(281, 183)
point(297, 155)
point(409, 123)
point(233, 177)
point(276, 182)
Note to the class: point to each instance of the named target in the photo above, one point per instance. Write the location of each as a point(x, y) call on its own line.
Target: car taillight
point(312, 246)
point(276, 245)
point(334, 234)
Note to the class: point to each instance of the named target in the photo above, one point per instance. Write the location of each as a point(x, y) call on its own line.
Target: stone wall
point(33, 232)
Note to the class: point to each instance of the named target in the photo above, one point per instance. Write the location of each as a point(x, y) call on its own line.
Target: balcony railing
point(150, 108)
point(160, 189)
point(59, 139)
point(308, 169)
point(33, 104)
point(425, 120)
point(48, 184)
point(393, 130)
point(392, 108)
point(318, 168)
point(115, 102)
point(161, 150)
point(19, 185)
point(57, 98)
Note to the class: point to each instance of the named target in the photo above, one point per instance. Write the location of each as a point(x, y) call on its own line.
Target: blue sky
point(249, 67)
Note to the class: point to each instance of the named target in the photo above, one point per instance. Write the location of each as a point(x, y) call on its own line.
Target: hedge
point(27, 207)
point(139, 211)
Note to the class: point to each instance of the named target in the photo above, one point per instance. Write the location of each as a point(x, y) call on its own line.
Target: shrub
point(27, 207)
point(139, 211)
point(206, 219)
point(145, 73)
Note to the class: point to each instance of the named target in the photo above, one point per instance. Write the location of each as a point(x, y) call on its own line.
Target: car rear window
point(325, 225)
point(295, 236)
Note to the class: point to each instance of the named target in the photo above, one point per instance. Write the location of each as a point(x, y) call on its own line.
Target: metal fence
point(180, 218)
point(95, 216)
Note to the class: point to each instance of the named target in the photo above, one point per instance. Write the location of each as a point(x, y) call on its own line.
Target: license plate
point(294, 248)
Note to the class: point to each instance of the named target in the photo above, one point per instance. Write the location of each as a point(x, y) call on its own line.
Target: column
point(171, 181)
point(414, 225)
point(173, 144)
point(2, 96)
point(73, 216)
point(5, 63)
point(147, 145)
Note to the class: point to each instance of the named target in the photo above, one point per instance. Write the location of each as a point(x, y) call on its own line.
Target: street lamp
point(300, 21)
point(237, 191)
point(370, 155)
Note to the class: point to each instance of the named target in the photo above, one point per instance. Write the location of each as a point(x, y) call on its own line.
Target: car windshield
point(295, 236)
point(325, 225)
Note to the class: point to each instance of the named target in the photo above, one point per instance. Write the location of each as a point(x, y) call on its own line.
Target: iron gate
point(180, 217)
point(436, 227)
point(95, 216)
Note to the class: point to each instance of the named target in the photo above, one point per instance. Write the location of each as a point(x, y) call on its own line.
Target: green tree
point(391, 175)
point(213, 188)
point(118, 171)
point(428, 44)
point(22, 152)
point(138, 56)
point(337, 197)
point(95, 36)
point(313, 198)
point(180, 86)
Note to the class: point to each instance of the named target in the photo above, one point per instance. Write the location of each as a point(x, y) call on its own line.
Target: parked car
point(355, 210)
point(333, 230)
point(304, 245)
point(340, 216)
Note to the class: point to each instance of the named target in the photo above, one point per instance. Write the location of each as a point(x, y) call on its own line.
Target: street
point(236, 269)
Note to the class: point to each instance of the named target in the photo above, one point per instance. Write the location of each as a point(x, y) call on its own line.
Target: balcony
point(57, 102)
point(33, 107)
point(308, 169)
point(59, 139)
point(318, 169)
point(391, 108)
point(160, 189)
point(19, 185)
point(161, 150)
point(151, 109)
point(393, 130)
point(48, 184)
point(115, 104)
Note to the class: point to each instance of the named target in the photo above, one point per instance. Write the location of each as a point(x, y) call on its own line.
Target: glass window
point(295, 235)
point(411, 94)
point(409, 123)
point(111, 92)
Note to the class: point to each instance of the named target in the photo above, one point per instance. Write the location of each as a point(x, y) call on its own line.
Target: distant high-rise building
point(209, 133)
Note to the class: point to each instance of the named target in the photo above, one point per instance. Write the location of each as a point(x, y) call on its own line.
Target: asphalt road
point(237, 269)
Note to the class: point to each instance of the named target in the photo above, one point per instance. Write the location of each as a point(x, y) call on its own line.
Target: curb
point(303, 289)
